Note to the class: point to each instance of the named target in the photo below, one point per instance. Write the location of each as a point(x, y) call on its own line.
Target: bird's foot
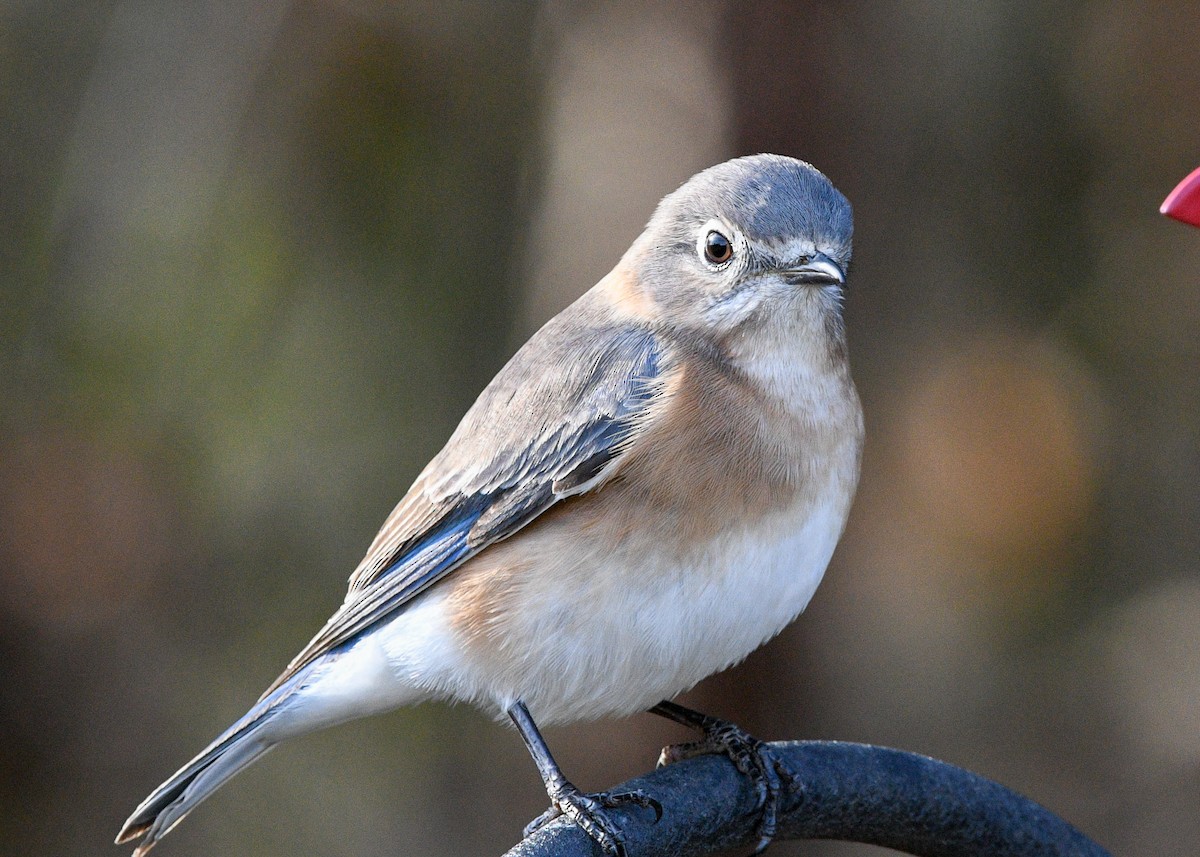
point(753, 757)
point(588, 811)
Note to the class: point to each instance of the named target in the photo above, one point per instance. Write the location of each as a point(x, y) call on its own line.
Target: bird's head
point(755, 241)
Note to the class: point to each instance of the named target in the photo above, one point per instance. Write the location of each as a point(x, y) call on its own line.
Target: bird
point(650, 489)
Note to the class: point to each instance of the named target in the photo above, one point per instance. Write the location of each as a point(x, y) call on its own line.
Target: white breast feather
point(585, 646)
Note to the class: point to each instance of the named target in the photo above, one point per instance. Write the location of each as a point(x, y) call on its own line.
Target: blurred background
point(256, 259)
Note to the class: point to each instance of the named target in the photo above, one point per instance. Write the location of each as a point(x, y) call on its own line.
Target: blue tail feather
point(235, 749)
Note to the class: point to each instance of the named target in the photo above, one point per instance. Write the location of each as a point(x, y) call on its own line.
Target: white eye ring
point(717, 244)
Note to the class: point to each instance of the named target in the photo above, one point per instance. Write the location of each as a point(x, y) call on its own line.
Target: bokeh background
point(257, 258)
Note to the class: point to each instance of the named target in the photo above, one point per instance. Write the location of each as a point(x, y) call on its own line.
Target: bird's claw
point(588, 811)
point(752, 757)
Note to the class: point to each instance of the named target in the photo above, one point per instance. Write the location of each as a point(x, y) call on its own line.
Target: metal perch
point(851, 792)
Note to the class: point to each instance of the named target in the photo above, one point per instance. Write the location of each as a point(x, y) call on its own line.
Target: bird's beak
point(819, 270)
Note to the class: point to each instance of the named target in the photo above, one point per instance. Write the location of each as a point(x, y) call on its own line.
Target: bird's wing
point(553, 423)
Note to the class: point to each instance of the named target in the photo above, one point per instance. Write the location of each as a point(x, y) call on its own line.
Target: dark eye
point(717, 248)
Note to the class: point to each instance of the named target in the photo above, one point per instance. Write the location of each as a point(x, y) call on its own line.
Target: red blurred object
point(1183, 203)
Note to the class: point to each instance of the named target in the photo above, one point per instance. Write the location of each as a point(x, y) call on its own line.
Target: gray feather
point(521, 448)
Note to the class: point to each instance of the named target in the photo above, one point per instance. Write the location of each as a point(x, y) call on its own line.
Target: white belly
point(581, 647)
point(656, 641)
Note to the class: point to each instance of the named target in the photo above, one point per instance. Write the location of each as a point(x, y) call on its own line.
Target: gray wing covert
point(564, 408)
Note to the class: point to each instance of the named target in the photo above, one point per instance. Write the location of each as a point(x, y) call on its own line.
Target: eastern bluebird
point(648, 491)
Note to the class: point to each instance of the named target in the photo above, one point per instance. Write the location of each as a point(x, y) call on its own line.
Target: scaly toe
point(753, 758)
point(589, 812)
point(678, 752)
point(541, 821)
point(636, 798)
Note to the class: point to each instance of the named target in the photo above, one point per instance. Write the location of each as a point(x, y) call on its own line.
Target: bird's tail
point(239, 746)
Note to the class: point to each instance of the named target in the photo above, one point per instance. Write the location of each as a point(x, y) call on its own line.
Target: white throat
point(789, 357)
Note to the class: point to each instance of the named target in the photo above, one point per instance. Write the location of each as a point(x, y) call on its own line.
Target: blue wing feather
point(518, 451)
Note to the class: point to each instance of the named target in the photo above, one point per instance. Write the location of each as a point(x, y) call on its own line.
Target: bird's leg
point(754, 758)
point(587, 811)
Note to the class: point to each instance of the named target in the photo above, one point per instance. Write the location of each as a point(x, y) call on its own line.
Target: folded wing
point(552, 424)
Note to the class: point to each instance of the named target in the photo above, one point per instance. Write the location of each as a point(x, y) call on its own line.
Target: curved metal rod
point(851, 792)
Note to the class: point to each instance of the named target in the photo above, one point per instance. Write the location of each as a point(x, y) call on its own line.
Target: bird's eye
point(717, 248)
